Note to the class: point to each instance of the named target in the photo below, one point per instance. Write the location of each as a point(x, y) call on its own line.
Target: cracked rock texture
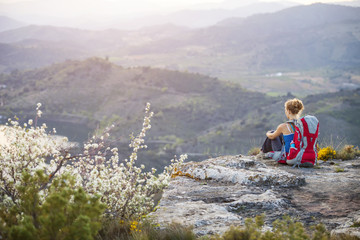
point(214, 194)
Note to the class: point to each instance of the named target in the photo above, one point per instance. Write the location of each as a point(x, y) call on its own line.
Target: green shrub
point(283, 229)
point(126, 188)
point(174, 231)
point(66, 212)
point(288, 229)
point(355, 224)
point(144, 230)
point(320, 233)
point(114, 229)
point(252, 230)
point(337, 169)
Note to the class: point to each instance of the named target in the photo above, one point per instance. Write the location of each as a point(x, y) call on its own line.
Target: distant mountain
point(89, 39)
point(298, 37)
point(296, 18)
point(193, 113)
point(295, 39)
point(7, 23)
point(239, 34)
point(200, 18)
point(318, 37)
point(93, 39)
point(100, 15)
point(353, 3)
point(30, 54)
point(49, 44)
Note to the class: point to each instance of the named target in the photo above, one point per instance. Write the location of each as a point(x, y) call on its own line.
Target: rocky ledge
point(217, 193)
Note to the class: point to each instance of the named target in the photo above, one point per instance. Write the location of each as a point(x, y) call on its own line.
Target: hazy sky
point(34, 11)
point(159, 4)
point(185, 2)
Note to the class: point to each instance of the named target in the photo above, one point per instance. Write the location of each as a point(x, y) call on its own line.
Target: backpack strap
point(292, 123)
point(301, 130)
point(292, 127)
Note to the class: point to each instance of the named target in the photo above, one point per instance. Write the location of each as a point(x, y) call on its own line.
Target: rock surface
point(217, 193)
point(349, 227)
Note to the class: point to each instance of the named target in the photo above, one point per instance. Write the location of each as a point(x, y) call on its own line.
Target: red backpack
point(303, 148)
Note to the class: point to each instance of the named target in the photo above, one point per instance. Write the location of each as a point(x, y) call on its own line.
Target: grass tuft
point(254, 151)
point(348, 152)
point(337, 169)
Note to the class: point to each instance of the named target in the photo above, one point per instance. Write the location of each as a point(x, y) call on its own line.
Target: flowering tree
point(26, 149)
point(126, 190)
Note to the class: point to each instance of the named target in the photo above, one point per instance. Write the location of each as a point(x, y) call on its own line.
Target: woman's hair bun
point(294, 106)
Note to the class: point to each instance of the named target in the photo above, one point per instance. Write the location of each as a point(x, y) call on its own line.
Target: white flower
point(114, 180)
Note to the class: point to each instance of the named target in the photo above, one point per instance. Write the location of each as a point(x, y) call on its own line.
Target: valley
point(194, 113)
point(314, 47)
point(214, 90)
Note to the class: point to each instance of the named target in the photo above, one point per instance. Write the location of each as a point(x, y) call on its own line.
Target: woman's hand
point(272, 134)
point(269, 133)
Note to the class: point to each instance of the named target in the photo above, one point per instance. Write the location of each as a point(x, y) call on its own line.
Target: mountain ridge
point(187, 16)
point(233, 50)
point(7, 23)
point(193, 113)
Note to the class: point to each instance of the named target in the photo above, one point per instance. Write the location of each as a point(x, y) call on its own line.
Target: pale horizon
point(98, 13)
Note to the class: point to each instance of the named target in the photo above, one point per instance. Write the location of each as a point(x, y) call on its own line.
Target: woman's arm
point(275, 134)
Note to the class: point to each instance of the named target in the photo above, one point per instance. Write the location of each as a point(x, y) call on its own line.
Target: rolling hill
point(30, 54)
point(111, 14)
point(300, 37)
point(193, 113)
point(306, 44)
point(85, 38)
point(201, 18)
point(304, 40)
point(297, 38)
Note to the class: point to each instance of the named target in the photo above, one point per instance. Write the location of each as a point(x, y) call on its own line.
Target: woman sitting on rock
point(277, 143)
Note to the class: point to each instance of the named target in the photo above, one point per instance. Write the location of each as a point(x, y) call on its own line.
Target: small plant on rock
point(146, 229)
point(326, 153)
point(283, 229)
point(337, 169)
point(348, 152)
point(254, 151)
point(252, 230)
